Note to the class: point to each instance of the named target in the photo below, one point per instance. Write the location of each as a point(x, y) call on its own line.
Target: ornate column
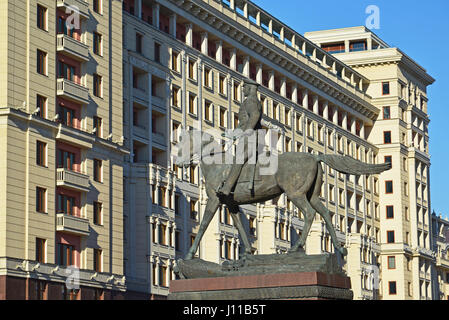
point(189, 34)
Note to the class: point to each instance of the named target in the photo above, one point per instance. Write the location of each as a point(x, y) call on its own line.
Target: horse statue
point(299, 175)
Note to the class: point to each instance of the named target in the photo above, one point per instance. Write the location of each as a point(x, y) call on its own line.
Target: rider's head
point(249, 87)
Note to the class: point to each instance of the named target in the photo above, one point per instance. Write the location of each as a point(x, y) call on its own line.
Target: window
point(98, 176)
point(98, 213)
point(386, 113)
point(175, 96)
point(221, 84)
point(192, 104)
point(208, 111)
point(41, 200)
point(98, 127)
point(193, 212)
point(40, 250)
point(41, 62)
point(157, 52)
point(222, 118)
point(357, 46)
point(191, 70)
point(387, 137)
point(41, 153)
point(389, 187)
point(63, 28)
point(174, 61)
point(70, 294)
point(385, 88)
point(98, 85)
point(41, 17)
point(236, 92)
point(388, 159)
point(275, 111)
point(139, 43)
point(177, 204)
point(390, 212)
point(66, 204)
point(98, 44)
point(97, 4)
point(41, 106)
point(66, 160)
point(65, 254)
point(390, 236)
point(392, 262)
point(66, 71)
point(207, 78)
point(392, 287)
point(97, 260)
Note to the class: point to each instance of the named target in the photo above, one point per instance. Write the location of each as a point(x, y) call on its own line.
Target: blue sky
point(420, 29)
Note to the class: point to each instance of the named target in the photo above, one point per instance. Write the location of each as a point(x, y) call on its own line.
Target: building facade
point(110, 99)
point(440, 270)
point(61, 158)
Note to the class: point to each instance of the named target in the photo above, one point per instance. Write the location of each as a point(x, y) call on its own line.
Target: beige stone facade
point(50, 188)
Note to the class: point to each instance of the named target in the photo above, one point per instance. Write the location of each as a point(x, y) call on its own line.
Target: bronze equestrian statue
point(299, 176)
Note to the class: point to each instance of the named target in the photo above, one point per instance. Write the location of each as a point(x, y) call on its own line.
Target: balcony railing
point(72, 47)
point(81, 5)
point(141, 132)
point(72, 224)
point(72, 91)
point(72, 180)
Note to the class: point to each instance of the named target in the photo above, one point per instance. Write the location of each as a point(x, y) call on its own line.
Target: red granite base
point(304, 285)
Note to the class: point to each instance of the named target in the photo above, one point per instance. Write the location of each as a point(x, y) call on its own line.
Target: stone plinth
point(299, 286)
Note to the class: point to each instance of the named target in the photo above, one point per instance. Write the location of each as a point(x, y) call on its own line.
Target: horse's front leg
point(211, 208)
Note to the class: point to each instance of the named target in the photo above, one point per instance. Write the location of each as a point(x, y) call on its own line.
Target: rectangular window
point(63, 29)
point(175, 96)
point(98, 44)
point(98, 166)
point(207, 78)
point(191, 70)
point(389, 187)
point(65, 255)
point(40, 250)
point(174, 61)
point(97, 4)
point(221, 84)
point(98, 86)
point(97, 260)
point(157, 52)
point(66, 71)
point(41, 106)
point(193, 212)
point(388, 159)
point(41, 17)
point(392, 262)
point(392, 287)
point(390, 212)
point(208, 111)
point(41, 62)
point(386, 113)
point(177, 204)
point(390, 236)
point(139, 43)
point(41, 200)
point(66, 205)
point(41, 153)
point(98, 213)
point(222, 117)
point(65, 160)
point(98, 127)
point(236, 92)
point(192, 106)
point(385, 88)
point(387, 137)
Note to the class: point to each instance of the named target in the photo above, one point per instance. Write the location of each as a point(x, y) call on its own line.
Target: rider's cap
point(251, 82)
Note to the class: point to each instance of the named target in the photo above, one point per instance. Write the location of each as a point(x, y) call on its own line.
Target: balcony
point(81, 5)
point(72, 91)
point(73, 48)
point(140, 132)
point(71, 224)
point(72, 180)
point(442, 262)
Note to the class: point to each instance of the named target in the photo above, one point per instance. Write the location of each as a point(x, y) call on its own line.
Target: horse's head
point(190, 147)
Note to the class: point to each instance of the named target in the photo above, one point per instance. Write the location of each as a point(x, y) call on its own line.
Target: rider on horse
point(250, 116)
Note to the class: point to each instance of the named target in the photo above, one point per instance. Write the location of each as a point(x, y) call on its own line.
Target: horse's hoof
point(343, 251)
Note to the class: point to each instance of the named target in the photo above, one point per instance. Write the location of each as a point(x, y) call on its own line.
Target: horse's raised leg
point(209, 212)
point(235, 214)
point(309, 214)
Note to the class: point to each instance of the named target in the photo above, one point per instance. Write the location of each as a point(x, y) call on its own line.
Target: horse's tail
point(348, 165)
